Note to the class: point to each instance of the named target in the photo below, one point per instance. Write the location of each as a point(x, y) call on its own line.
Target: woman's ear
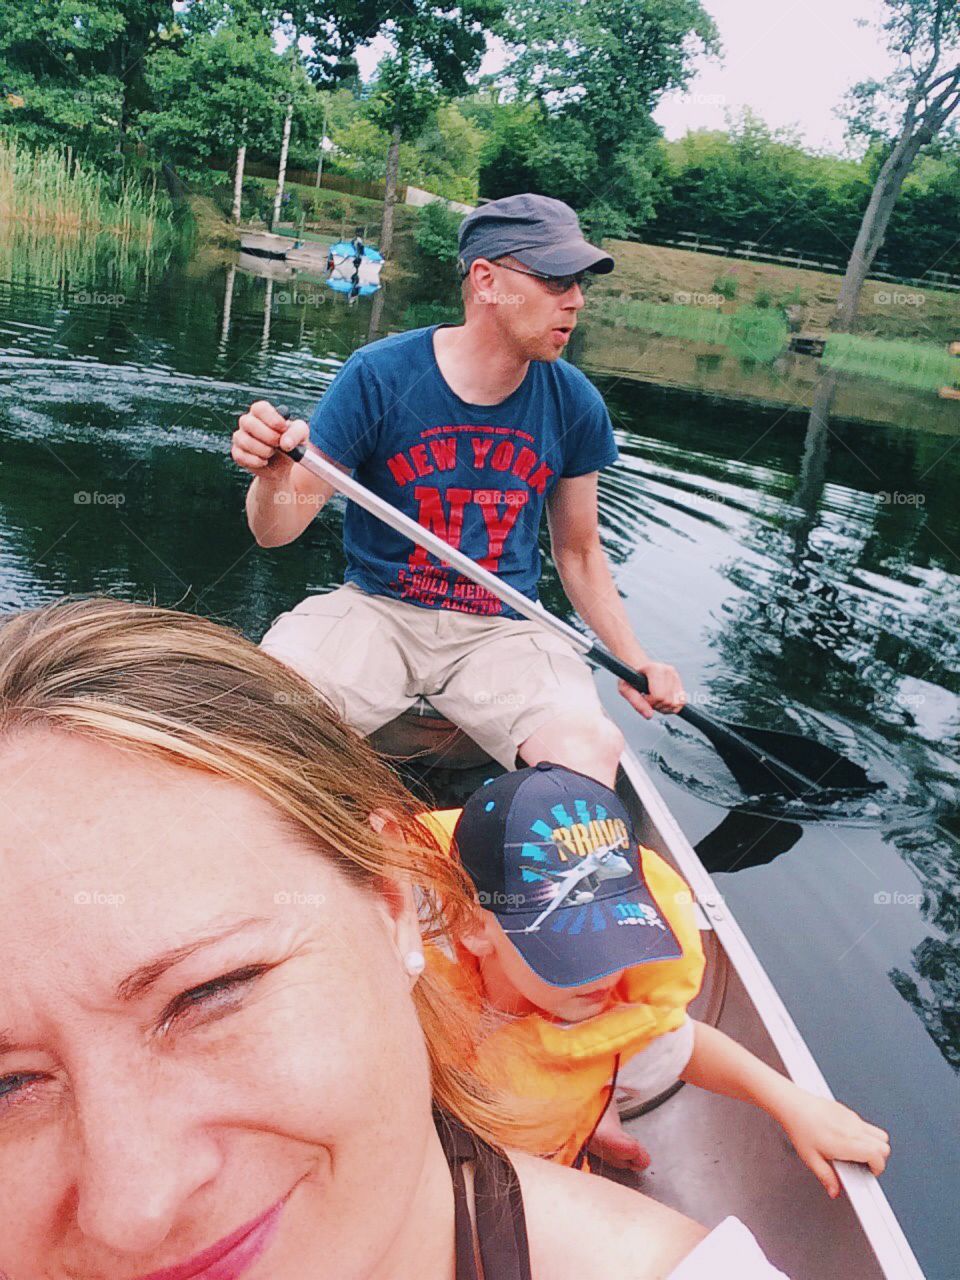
point(397, 906)
point(385, 824)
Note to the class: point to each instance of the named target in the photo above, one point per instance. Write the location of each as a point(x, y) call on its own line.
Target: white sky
point(790, 60)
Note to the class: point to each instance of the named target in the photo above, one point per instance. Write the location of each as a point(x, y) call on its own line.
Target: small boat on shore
point(712, 1156)
point(264, 244)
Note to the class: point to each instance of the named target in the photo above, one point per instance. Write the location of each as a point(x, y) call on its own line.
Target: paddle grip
point(298, 450)
point(604, 658)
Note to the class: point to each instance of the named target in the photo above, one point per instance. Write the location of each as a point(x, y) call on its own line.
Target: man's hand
point(665, 694)
point(262, 438)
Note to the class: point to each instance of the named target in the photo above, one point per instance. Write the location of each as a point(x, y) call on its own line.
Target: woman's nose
point(142, 1157)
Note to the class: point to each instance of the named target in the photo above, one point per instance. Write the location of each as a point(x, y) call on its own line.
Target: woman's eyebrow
point(139, 982)
point(144, 976)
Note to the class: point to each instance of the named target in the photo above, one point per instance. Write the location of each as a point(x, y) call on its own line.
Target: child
point(584, 955)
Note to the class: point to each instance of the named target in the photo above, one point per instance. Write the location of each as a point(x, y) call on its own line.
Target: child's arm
point(820, 1129)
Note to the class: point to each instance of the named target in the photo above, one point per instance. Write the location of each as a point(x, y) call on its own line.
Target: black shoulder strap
point(498, 1203)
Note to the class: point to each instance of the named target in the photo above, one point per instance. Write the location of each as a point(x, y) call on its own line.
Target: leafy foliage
point(223, 88)
point(436, 231)
point(79, 67)
point(594, 70)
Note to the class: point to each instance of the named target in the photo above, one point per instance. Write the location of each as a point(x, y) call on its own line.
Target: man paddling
point(472, 430)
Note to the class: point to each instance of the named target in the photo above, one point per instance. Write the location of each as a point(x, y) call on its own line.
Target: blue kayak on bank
point(354, 268)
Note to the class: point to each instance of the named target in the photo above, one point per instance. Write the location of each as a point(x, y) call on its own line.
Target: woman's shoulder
point(580, 1224)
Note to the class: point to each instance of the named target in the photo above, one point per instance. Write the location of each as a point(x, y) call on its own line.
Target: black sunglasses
point(555, 284)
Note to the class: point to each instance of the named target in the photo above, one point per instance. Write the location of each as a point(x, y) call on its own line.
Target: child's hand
point(823, 1130)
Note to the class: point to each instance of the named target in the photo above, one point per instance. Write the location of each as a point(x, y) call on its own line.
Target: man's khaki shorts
point(500, 679)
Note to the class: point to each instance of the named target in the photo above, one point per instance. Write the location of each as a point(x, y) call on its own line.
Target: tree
point(218, 93)
point(436, 50)
point(596, 69)
point(225, 88)
point(80, 66)
point(908, 110)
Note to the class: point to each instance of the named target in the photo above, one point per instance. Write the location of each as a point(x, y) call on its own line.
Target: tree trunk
point(238, 181)
point(323, 138)
point(390, 192)
point(873, 228)
point(284, 148)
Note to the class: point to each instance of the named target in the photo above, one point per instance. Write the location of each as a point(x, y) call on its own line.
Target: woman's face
point(204, 1027)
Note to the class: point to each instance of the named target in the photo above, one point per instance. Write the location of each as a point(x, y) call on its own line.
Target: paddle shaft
point(593, 650)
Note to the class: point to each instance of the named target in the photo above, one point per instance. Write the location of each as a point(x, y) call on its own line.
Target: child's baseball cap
point(553, 855)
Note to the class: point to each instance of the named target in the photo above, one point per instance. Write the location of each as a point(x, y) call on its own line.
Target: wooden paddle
point(763, 761)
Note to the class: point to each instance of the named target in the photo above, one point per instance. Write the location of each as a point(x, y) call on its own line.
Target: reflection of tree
point(375, 327)
point(937, 963)
point(934, 994)
point(802, 623)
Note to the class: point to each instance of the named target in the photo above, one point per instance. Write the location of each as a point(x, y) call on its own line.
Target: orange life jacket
point(573, 1064)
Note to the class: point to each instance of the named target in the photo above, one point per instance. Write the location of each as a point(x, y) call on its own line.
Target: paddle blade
point(824, 766)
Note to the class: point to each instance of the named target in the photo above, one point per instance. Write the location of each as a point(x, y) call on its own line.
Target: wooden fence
point(308, 178)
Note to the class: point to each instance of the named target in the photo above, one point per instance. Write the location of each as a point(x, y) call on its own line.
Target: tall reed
point(56, 195)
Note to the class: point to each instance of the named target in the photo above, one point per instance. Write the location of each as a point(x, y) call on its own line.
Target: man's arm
point(284, 497)
point(281, 505)
point(588, 582)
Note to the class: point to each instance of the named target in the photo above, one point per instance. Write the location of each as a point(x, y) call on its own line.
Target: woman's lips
point(231, 1256)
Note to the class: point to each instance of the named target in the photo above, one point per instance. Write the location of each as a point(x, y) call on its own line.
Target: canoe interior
point(711, 1156)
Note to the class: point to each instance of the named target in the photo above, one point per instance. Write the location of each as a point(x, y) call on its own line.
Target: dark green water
point(799, 576)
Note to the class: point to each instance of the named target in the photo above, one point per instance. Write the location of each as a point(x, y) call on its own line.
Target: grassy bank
point(649, 273)
point(51, 194)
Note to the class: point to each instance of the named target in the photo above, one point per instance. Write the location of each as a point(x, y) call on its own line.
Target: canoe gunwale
point(879, 1223)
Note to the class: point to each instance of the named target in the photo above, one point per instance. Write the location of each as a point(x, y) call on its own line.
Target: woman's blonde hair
point(198, 694)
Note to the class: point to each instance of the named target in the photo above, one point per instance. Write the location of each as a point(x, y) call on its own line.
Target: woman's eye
point(14, 1086)
point(211, 997)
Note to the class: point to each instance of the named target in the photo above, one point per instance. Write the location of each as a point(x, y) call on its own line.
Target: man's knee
point(592, 746)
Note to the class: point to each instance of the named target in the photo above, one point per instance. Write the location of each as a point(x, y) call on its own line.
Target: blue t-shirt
point(476, 475)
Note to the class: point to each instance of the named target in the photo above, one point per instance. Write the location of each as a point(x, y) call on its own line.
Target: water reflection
point(933, 988)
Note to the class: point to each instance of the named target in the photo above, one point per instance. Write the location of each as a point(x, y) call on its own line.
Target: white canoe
point(712, 1156)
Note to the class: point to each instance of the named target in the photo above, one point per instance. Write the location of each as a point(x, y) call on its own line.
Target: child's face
point(512, 985)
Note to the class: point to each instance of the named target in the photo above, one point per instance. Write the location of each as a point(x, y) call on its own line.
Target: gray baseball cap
point(540, 232)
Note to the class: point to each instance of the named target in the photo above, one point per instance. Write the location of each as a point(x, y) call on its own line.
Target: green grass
point(750, 332)
point(726, 286)
point(910, 364)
